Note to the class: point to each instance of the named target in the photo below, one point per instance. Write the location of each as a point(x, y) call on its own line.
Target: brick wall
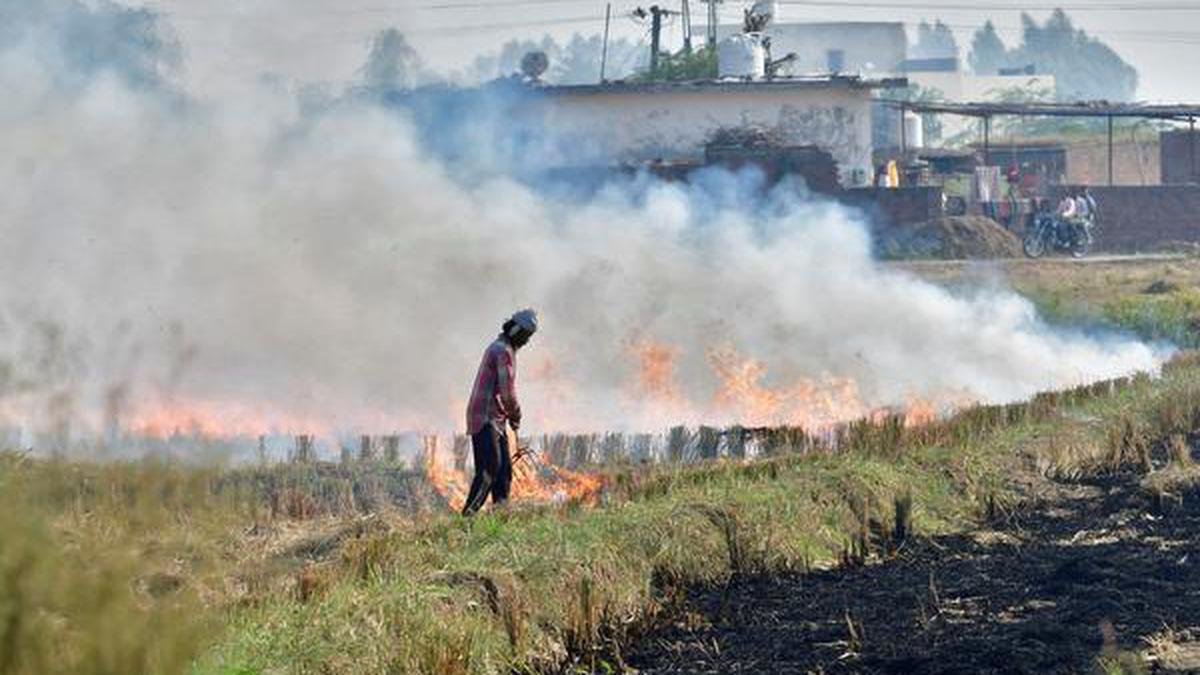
point(1135, 162)
point(1143, 218)
point(1177, 161)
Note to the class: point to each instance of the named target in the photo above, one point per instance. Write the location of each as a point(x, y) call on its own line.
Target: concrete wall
point(887, 207)
point(1145, 218)
point(674, 123)
point(870, 48)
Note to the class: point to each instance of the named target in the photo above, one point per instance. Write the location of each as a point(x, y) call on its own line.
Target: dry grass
point(1155, 299)
point(1077, 285)
point(185, 565)
point(531, 587)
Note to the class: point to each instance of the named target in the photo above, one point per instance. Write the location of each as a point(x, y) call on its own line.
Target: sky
point(228, 42)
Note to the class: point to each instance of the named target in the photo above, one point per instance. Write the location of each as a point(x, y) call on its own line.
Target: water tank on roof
point(742, 55)
point(767, 8)
point(914, 130)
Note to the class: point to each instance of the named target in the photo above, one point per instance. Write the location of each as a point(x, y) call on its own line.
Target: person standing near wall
point(493, 405)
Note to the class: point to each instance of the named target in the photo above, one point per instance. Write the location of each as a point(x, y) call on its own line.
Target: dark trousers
point(493, 469)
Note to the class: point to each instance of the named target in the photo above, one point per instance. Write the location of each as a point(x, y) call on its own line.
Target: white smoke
point(324, 271)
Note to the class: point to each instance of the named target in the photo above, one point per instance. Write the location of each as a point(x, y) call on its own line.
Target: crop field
point(844, 542)
point(1153, 297)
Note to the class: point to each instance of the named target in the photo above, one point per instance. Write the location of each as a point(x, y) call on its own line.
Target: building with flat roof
point(631, 123)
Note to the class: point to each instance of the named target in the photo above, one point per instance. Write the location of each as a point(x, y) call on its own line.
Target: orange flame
point(214, 419)
point(807, 403)
point(535, 481)
point(656, 370)
point(920, 412)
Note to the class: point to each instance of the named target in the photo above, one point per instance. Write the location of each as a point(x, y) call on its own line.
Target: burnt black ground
point(1028, 596)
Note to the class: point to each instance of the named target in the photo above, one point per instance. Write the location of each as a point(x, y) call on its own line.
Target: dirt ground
point(1094, 569)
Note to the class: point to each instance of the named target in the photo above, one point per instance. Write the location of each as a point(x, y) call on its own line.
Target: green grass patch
point(1172, 316)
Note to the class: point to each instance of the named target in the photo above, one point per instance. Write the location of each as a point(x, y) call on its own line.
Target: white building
point(868, 48)
point(621, 122)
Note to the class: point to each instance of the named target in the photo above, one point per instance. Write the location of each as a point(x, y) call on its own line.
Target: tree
point(1083, 67)
point(77, 40)
point(935, 41)
point(392, 63)
point(988, 53)
point(698, 64)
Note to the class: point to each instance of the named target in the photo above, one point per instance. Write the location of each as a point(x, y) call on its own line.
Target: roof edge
point(729, 84)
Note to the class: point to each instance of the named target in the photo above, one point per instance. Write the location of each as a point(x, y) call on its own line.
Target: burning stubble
point(253, 265)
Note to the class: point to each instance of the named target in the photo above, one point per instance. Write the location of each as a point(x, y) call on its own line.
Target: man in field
point(493, 404)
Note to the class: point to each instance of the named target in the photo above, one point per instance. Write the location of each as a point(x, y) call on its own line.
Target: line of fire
point(810, 108)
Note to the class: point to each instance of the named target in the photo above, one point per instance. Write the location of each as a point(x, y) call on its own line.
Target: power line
point(452, 27)
point(1091, 7)
point(1125, 6)
point(1116, 34)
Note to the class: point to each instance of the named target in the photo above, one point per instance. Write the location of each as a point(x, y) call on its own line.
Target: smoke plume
point(251, 265)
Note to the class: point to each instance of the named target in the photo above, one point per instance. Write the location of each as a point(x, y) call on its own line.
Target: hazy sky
point(228, 41)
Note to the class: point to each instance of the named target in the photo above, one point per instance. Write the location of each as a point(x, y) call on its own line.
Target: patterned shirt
point(494, 396)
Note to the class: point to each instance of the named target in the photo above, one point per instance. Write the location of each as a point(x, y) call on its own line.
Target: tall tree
point(935, 41)
point(988, 53)
point(1083, 67)
point(392, 63)
point(88, 38)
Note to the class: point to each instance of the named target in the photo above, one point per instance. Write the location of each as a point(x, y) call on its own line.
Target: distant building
point(873, 48)
point(646, 122)
point(940, 64)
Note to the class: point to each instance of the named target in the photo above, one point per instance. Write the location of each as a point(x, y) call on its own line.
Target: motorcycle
point(1049, 232)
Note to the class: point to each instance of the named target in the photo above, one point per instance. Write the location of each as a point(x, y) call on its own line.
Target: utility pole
point(604, 49)
point(656, 16)
point(712, 24)
point(687, 27)
point(655, 33)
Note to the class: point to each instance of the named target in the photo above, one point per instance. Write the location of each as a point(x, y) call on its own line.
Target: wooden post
point(987, 140)
point(1192, 146)
point(366, 450)
point(304, 449)
point(462, 446)
point(391, 449)
point(430, 446)
point(1110, 150)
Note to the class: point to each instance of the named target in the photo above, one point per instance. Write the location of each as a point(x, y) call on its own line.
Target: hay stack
point(950, 238)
